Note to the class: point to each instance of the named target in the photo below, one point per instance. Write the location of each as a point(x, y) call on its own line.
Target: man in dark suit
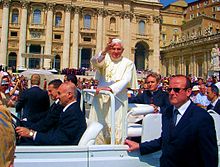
point(53, 114)
point(188, 137)
point(213, 96)
point(153, 96)
point(71, 125)
point(72, 78)
point(34, 101)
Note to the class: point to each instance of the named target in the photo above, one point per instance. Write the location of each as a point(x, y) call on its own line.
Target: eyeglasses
point(176, 90)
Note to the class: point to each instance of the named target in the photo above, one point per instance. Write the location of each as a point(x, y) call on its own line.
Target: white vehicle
point(86, 154)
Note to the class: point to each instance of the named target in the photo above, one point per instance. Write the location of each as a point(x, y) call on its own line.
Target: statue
point(215, 56)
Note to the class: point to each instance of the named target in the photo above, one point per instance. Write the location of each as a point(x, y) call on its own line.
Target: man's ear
point(189, 92)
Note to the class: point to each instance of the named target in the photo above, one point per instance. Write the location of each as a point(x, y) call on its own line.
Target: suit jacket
point(191, 143)
point(158, 98)
point(216, 107)
point(71, 126)
point(35, 104)
point(51, 120)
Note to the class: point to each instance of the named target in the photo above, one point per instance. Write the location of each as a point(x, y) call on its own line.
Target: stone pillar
point(80, 56)
point(76, 38)
point(121, 26)
point(181, 63)
point(66, 42)
point(205, 65)
point(104, 30)
point(42, 58)
point(22, 37)
point(127, 36)
point(193, 65)
point(27, 59)
point(4, 33)
point(49, 35)
point(99, 30)
point(156, 47)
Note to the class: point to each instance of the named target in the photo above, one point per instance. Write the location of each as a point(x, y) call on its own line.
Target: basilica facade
point(66, 34)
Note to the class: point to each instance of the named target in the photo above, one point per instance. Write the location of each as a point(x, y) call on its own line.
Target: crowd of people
point(55, 117)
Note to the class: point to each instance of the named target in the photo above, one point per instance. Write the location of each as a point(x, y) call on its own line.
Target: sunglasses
point(176, 90)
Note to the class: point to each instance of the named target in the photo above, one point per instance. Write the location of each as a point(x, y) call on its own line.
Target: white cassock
point(118, 76)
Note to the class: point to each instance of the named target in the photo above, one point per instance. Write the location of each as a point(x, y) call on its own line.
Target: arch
point(12, 61)
point(15, 15)
point(112, 25)
point(141, 55)
point(141, 25)
point(36, 16)
point(58, 19)
point(34, 62)
point(85, 57)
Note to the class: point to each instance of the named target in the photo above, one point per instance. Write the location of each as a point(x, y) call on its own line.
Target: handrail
point(112, 97)
point(139, 110)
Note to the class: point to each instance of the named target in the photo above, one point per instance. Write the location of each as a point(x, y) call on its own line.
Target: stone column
point(42, 58)
point(27, 59)
point(22, 37)
point(66, 42)
point(76, 38)
point(4, 33)
point(49, 35)
point(104, 30)
point(80, 54)
point(127, 36)
point(99, 30)
point(156, 46)
point(205, 64)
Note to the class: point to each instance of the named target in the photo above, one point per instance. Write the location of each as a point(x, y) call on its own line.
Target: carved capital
point(6, 3)
point(77, 9)
point(100, 11)
point(156, 19)
point(68, 8)
point(126, 15)
point(24, 4)
point(50, 6)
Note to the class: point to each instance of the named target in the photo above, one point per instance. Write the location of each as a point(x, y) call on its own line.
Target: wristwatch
point(31, 133)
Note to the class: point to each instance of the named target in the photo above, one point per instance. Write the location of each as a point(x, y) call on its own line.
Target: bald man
point(71, 125)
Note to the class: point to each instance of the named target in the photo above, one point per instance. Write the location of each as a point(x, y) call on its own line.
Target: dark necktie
point(210, 106)
point(175, 113)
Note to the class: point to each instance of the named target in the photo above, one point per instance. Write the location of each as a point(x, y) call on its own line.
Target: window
point(112, 24)
point(163, 37)
point(87, 21)
point(57, 36)
point(214, 16)
point(175, 30)
point(141, 27)
point(14, 34)
point(15, 16)
point(87, 39)
point(217, 8)
point(36, 17)
point(191, 16)
point(214, 9)
point(58, 19)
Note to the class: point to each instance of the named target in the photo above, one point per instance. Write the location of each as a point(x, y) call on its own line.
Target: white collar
point(57, 101)
point(183, 108)
point(214, 103)
point(65, 108)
